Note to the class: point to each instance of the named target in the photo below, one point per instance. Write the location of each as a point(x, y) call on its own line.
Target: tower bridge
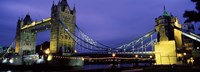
point(67, 37)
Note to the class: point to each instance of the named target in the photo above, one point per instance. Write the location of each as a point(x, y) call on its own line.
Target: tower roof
point(27, 19)
point(165, 12)
point(64, 3)
point(19, 20)
point(74, 9)
point(52, 4)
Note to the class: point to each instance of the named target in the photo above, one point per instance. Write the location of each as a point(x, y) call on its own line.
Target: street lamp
point(75, 51)
point(113, 55)
point(150, 56)
point(136, 56)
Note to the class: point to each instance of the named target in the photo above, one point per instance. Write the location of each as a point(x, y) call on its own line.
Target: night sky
point(111, 22)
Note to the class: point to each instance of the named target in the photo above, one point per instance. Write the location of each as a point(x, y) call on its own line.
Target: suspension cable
point(91, 38)
point(69, 33)
point(134, 42)
point(7, 50)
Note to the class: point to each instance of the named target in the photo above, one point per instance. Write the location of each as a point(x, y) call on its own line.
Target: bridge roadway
point(108, 58)
point(146, 54)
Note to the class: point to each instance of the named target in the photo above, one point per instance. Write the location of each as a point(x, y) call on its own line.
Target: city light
point(49, 58)
point(40, 61)
point(75, 51)
point(5, 60)
point(82, 59)
point(179, 55)
point(47, 51)
point(136, 56)
point(184, 54)
point(150, 56)
point(113, 55)
point(11, 60)
point(190, 61)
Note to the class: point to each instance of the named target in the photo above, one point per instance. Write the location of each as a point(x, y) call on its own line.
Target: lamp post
point(136, 56)
point(75, 51)
point(184, 54)
point(184, 57)
point(136, 60)
point(113, 55)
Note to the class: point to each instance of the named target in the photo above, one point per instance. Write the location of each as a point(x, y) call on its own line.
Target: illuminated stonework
point(25, 39)
point(169, 39)
point(60, 41)
point(165, 27)
point(165, 52)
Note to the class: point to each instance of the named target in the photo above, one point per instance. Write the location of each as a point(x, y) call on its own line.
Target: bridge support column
point(165, 52)
point(27, 42)
point(25, 37)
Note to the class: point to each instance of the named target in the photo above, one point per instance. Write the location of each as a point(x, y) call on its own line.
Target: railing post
point(142, 47)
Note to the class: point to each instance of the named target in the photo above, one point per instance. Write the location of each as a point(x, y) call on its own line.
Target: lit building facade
point(169, 39)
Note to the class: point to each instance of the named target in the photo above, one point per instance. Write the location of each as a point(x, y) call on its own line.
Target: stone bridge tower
point(169, 39)
point(60, 41)
point(25, 39)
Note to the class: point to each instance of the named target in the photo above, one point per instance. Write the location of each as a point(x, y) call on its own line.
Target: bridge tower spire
point(165, 13)
point(52, 4)
point(74, 9)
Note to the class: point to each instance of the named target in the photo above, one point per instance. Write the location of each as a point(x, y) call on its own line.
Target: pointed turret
point(19, 24)
point(165, 12)
point(19, 20)
point(27, 19)
point(52, 5)
point(74, 10)
point(64, 3)
point(74, 14)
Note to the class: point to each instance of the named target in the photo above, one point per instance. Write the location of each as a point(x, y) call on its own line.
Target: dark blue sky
point(111, 22)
